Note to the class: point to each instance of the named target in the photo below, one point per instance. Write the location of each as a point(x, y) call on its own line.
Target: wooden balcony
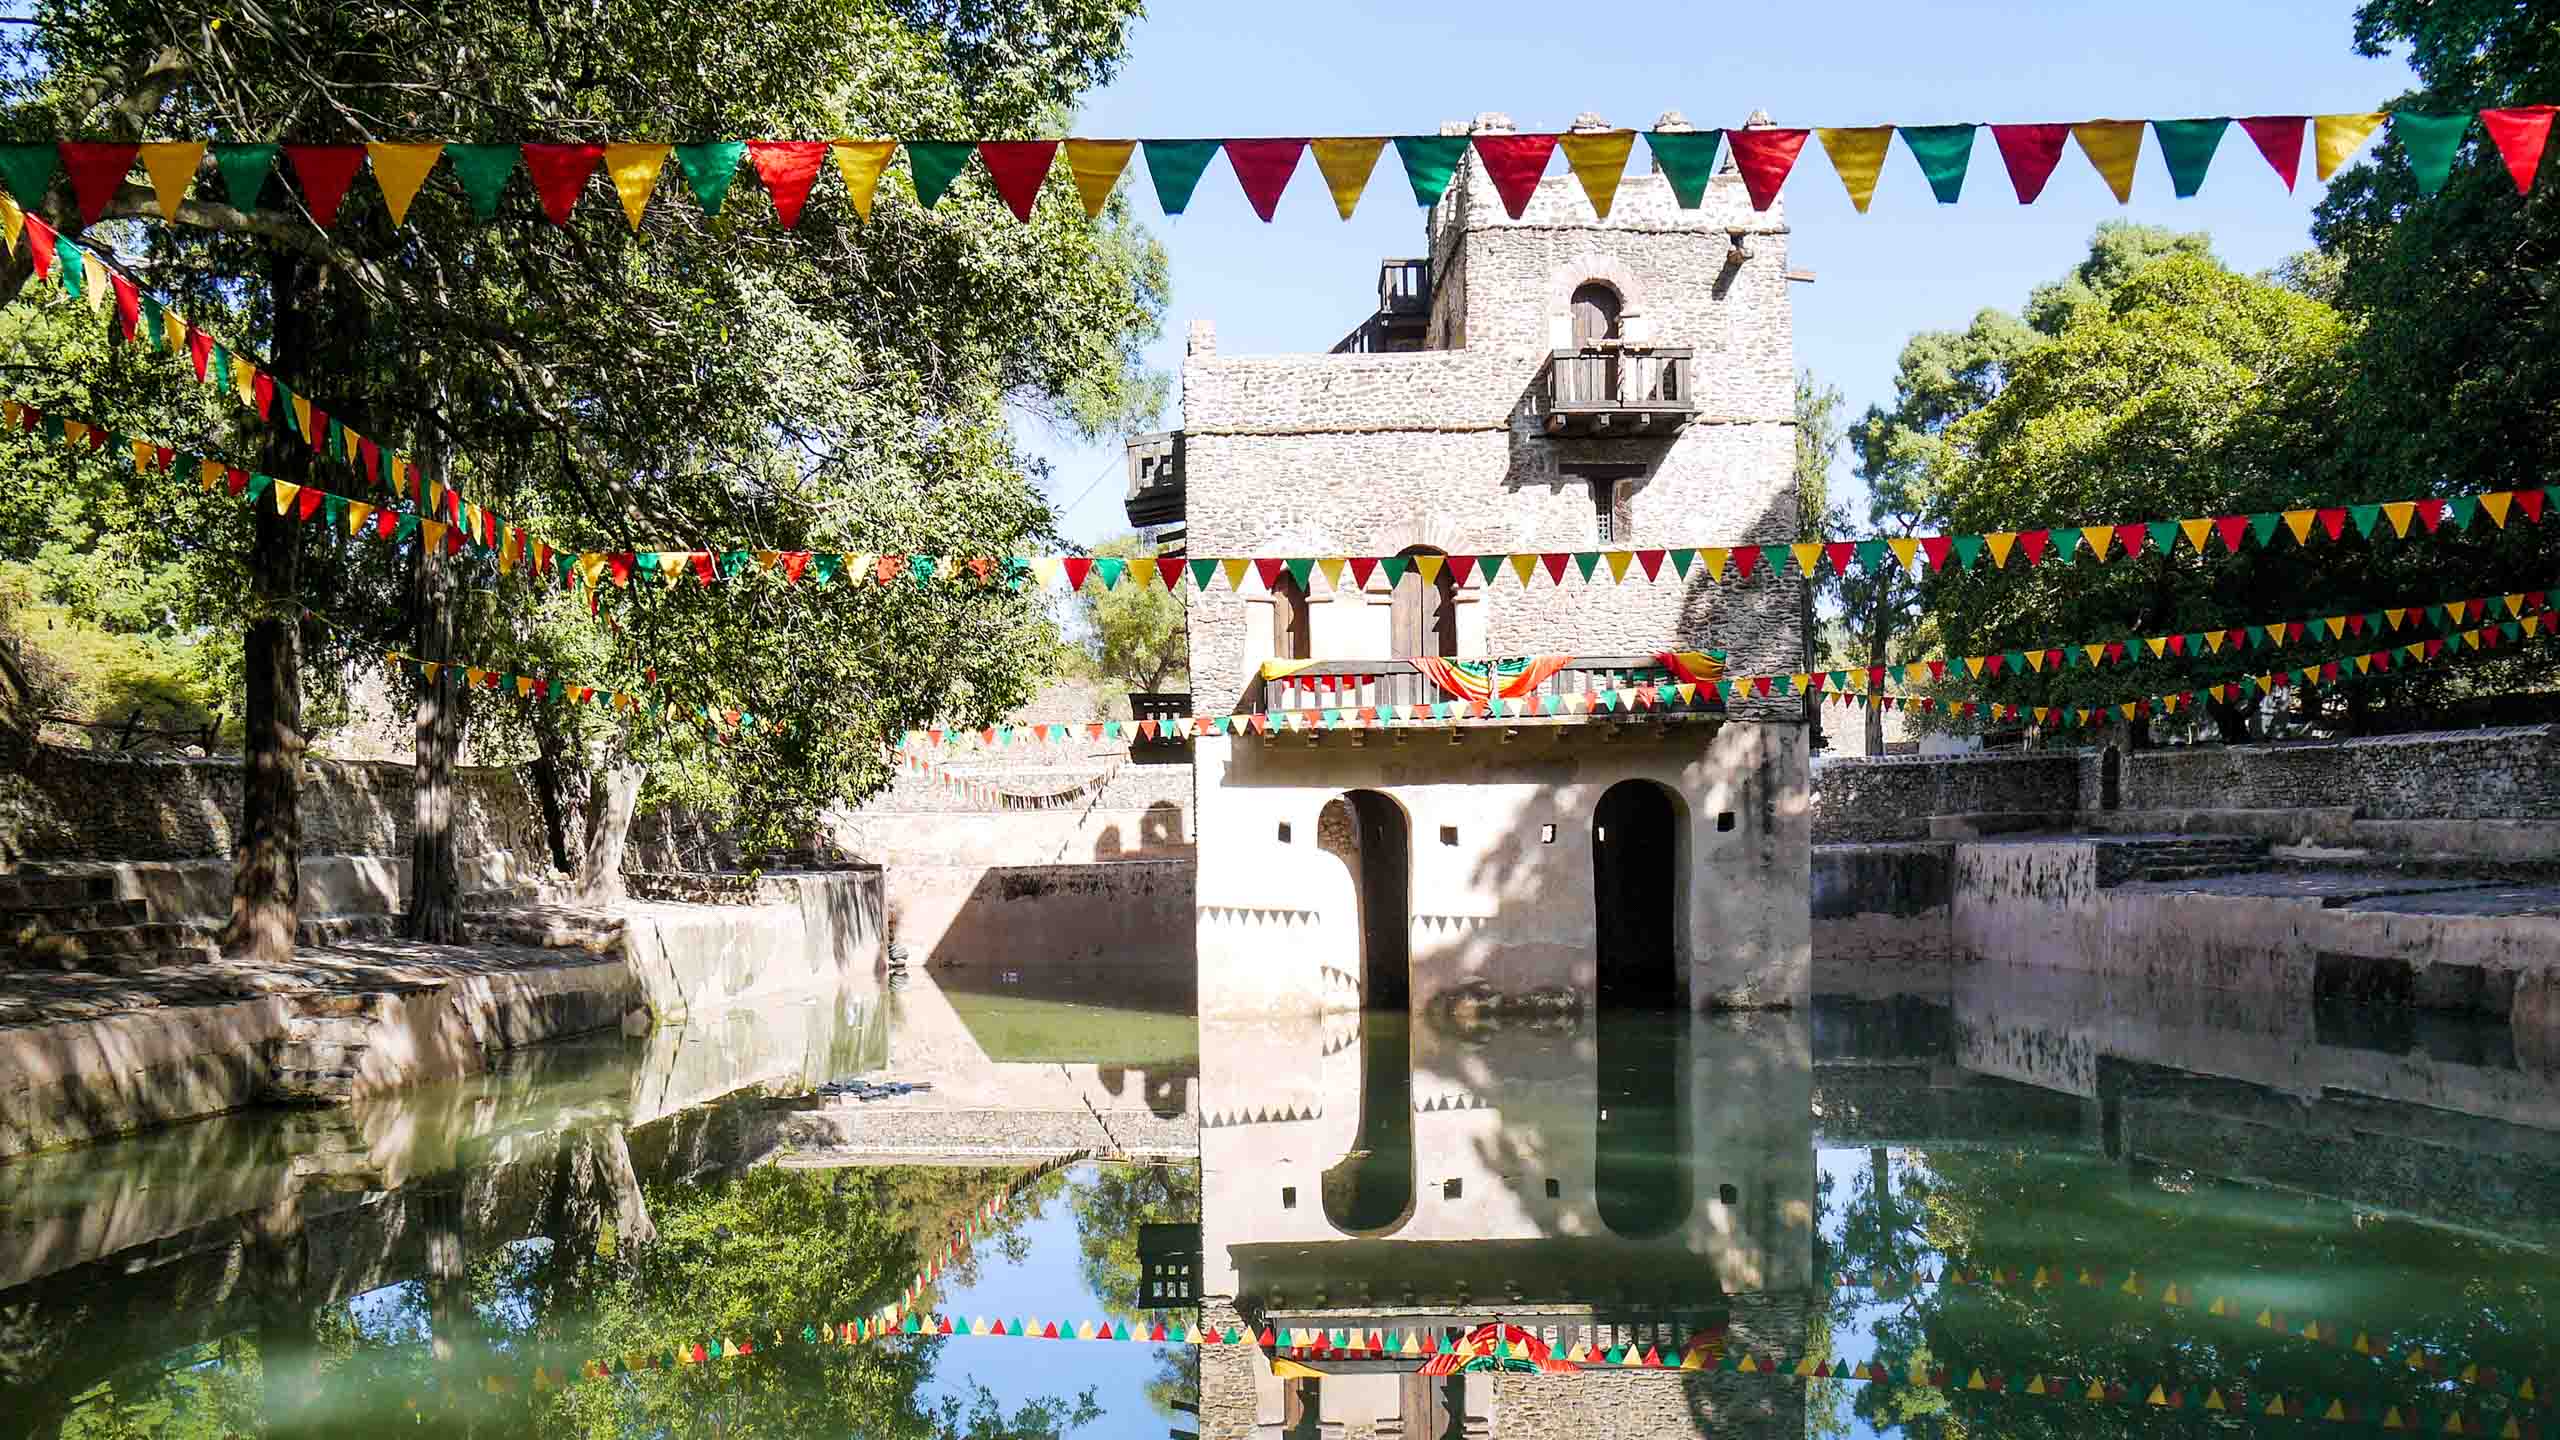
point(1360, 684)
point(1155, 479)
point(1403, 314)
point(1614, 391)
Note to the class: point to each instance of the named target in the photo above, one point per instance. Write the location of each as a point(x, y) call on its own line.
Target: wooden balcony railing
point(1354, 684)
point(1155, 479)
point(1614, 390)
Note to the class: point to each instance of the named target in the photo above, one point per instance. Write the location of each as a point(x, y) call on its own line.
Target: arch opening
point(1641, 1176)
point(1370, 1191)
point(1423, 614)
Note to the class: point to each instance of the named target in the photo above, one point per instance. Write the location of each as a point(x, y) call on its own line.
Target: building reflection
point(1605, 1178)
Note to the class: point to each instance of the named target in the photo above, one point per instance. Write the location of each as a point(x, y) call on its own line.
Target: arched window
point(1595, 313)
point(1292, 627)
point(1424, 616)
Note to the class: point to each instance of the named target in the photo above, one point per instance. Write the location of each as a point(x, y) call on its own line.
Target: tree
point(1134, 633)
point(1818, 438)
point(709, 383)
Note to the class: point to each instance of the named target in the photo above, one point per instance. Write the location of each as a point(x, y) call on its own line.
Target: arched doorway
point(1593, 379)
point(1641, 1179)
point(1371, 1189)
point(1424, 614)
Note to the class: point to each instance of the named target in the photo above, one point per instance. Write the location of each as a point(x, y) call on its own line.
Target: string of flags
point(2414, 1356)
point(561, 174)
point(1644, 698)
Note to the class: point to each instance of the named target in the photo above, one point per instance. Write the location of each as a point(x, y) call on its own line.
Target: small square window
point(1555, 1188)
point(1448, 834)
point(1546, 834)
point(1289, 1197)
point(1724, 821)
point(1284, 830)
point(1728, 1195)
point(1451, 1189)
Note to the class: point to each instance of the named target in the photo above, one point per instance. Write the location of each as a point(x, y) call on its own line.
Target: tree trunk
point(632, 1225)
point(435, 872)
point(1805, 632)
point(266, 878)
point(1879, 635)
point(608, 827)
point(560, 784)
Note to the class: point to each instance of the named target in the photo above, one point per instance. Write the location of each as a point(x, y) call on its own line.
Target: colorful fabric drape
point(1475, 681)
point(1694, 667)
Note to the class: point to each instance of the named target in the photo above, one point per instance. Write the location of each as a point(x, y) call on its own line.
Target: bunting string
point(1087, 171)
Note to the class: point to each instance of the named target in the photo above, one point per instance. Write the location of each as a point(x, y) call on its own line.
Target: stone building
point(1556, 382)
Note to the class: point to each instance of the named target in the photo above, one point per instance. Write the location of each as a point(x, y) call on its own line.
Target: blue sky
point(1207, 68)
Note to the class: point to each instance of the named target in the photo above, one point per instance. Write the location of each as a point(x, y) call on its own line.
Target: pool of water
point(2006, 1202)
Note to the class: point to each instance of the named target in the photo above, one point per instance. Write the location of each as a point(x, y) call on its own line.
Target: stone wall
point(1893, 797)
point(1134, 915)
point(77, 805)
point(1368, 454)
point(2511, 772)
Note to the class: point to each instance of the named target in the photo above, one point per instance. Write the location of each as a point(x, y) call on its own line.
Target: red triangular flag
point(1169, 567)
point(1460, 567)
point(1018, 167)
point(1651, 561)
point(559, 172)
point(1363, 566)
point(788, 168)
point(2132, 538)
point(1842, 554)
point(2333, 521)
point(1554, 561)
point(1514, 163)
point(2231, 528)
point(1937, 548)
point(2431, 513)
point(2030, 152)
point(2521, 133)
point(98, 171)
point(2033, 542)
point(1077, 568)
point(1764, 157)
point(1270, 571)
point(1744, 558)
point(325, 171)
point(2279, 138)
point(2530, 502)
point(1263, 168)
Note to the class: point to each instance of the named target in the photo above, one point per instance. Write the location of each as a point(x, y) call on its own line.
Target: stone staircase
point(323, 1047)
point(76, 921)
point(2170, 858)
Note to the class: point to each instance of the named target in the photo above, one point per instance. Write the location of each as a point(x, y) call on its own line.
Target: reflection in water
point(1369, 1191)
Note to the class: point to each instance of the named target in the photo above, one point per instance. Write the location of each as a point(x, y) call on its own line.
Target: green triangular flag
point(2187, 146)
point(2458, 512)
point(2164, 535)
point(734, 563)
point(1298, 570)
point(28, 171)
point(1201, 570)
point(407, 527)
point(2016, 661)
point(2264, 526)
point(1871, 555)
point(920, 568)
point(70, 268)
point(645, 563)
point(2364, 516)
point(483, 171)
point(711, 168)
point(2510, 630)
point(1175, 166)
point(1490, 566)
point(259, 485)
point(2066, 544)
point(935, 164)
point(1110, 729)
point(1584, 561)
point(1944, 153)
point(1968, 549)
point(1429, 161)
point(244, 172)
point(1687, 158)
point(2431, 141)
point(1394, 566)
point(1110, 568)
point(1681, 560)
point(823, 566)
point(333, 510)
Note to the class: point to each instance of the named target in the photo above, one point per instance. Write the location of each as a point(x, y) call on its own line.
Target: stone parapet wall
point(2505, 773)
point(75, 805)
point(1893, 797)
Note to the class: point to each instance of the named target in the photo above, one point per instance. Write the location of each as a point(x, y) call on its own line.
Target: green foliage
point(1818, 437)
point(87, 671)
point(709, 383)
point(1134, 634)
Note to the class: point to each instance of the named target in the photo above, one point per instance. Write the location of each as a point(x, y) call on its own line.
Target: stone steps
point(35, 890)
point(113, 937)
point(2173, 858)
point(20, 922)
point(317, 1061)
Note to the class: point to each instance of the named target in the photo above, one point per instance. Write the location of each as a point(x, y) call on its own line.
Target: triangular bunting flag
point(2030, 152)
point(400, 169)
point(2113, 146)
point(1175, 167)
point(1764, 156)
point(634, 171)
point(1599, 161)
point(1514, 163)
point(1857, 154)
point(1346, 163)
point(861, 163)
point(1018, 167)
point(1095, 166)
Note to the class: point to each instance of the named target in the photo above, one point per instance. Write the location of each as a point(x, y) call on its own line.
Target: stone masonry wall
point(2506, 773)
point(64, 805)
point(1891, 797)
point(1372, 453)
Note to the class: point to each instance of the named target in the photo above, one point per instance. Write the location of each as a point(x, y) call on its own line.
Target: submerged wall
point(813, 931)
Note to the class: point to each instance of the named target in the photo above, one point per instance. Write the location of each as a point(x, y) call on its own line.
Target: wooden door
point(1424, 618)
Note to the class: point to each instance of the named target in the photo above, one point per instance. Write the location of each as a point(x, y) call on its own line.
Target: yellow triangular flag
point(2363, 663)
point(357, 513)
point(860, 162)
point(1428, 566)
point(1998, 542)
point(2496, 503)
point(1095, 166)
point(2336, 138)
point(13, 222)
point(1329, 567)
point(1858, 154)
point(400, 170)
point(2399, 513)
point(1523, 565)
point(634, 169)
point(172, 168)
point(431, 532)
point(1599, 160)
point(2195, 531)
point(208, 472)
point(2112, 146)
point(1234, 571)
point(2097, 538)
point(2299, 522)
point(285, 490)
point(1973, 666)
point(1049, 570)
point(1618, 564)
point(2336, 626)
point(301, 415)
point(2158, 645)
point(1712, 559)
point(2095, 652)
point(1905, 549)
point(1808, 555)
point(1345, 162)
point(2213, 641)
point(2035, 661)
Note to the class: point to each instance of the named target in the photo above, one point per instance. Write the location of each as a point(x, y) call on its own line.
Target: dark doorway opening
point(1641, 1167)
point(1423, 614)
point(2110, 778)
point(1371, 1190)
